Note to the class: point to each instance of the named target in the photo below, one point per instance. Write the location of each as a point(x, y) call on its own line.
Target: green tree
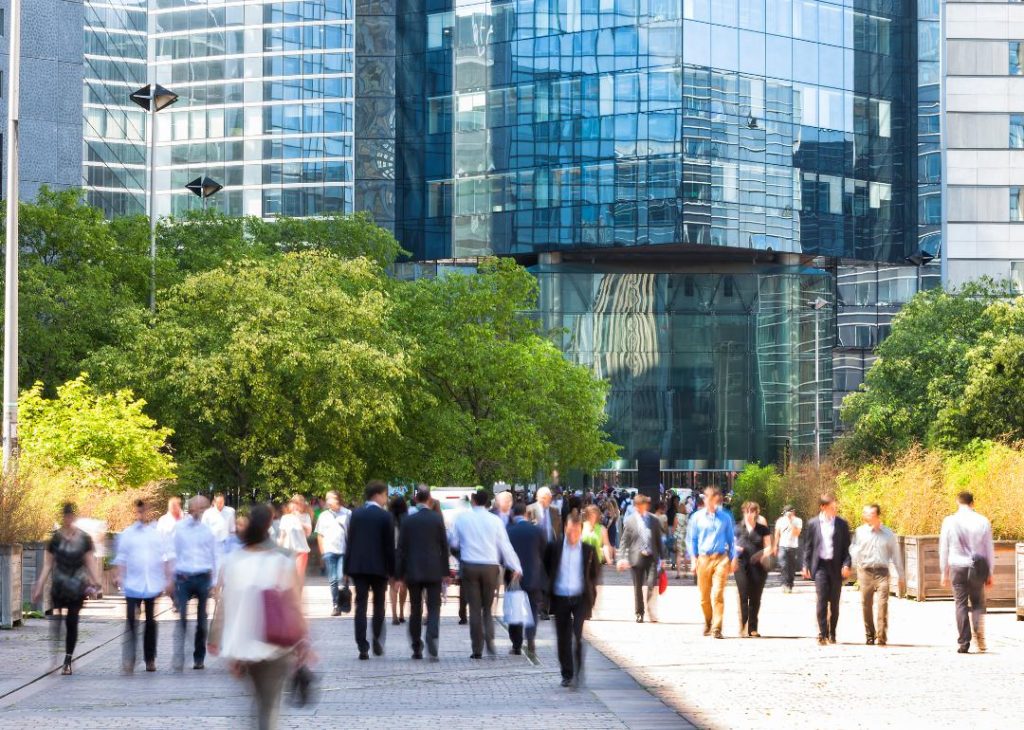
point(761, 484)
point(922, 369)
point(276, 375)
point(491, 398)
point(105, 438)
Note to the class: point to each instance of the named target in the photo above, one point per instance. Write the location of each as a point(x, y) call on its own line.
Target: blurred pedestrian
point(170, 519)
point(196, 559)
point(529, 543)
point(144, 571)
point(753, 550)
point(547, 517)
point(712, 543)
point(331, 536)
point(640, 550)
point(483, 545)
point(967, 559)
point(595, 534)
point(874, 548)
point(221, 520)
point(787, 541)
point(503, 507)
point(679, 540)
point(239, 634)
point(397, 591)
point(827, 560)
point(71, 559)
point(574, 570)
point(370, 561)
point(422, 566)
point(295, 529)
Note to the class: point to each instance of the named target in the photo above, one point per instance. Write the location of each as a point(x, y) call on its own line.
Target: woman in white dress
point(293, 535)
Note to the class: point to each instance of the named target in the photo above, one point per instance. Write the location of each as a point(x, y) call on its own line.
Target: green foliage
point(921, 371)
point(277, 375)
point(761, 484)
point(105, 438)
point(491, 398)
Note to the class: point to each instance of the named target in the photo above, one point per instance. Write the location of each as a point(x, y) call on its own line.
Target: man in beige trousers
point(874, 548)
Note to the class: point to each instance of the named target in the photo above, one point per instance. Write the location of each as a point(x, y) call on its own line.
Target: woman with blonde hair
point(294, 531)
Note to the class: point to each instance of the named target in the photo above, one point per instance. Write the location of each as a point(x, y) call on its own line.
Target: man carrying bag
point(966, 559)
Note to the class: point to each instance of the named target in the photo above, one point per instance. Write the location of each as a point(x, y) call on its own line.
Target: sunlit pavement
point(392, 691)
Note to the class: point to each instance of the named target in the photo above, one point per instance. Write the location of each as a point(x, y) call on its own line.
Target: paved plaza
point(664, 675)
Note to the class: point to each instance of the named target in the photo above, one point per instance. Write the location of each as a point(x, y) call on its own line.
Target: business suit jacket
point(591, 572)
point(371, 543)
point(422, 548)
point(840, 545)
point(629, 542)
point(530, 544)
point(533, 514)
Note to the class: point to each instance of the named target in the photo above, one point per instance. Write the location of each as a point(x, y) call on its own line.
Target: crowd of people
point(551, 549)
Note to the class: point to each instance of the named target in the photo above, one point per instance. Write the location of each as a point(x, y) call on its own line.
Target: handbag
point(517, 606)
point(345, 598)
point(302, 687)
point(662, 581)
point(283, 624)
point(980, 569)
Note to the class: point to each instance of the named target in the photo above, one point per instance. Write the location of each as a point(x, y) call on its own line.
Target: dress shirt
point(141, 554)
point(964, 535)
point(195, 549)
point(712, 534)
point(876, 549)
point(333, 528)
point(221, 522)
point(166, 524)
point(569, 581)
point(481, 539)
point(828, 530)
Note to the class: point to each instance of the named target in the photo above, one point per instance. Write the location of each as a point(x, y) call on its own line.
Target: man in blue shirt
point(712, 545)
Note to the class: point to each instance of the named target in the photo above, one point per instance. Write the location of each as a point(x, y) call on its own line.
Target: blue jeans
point(334, 564)
point(185, 587)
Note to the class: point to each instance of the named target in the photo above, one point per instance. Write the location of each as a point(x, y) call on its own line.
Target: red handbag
point(662, 582)
point(282, 619)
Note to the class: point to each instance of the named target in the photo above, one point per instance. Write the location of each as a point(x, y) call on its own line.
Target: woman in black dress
point(71, 559)
point(753, 548)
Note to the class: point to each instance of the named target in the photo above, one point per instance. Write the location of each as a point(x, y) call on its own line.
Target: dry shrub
point(21, 519)
point(994, 474)
point(803, 484)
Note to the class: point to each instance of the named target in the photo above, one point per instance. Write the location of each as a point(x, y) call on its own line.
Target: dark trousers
point(750, 580)
point(417, 592)
point(132, 606)
point(70, 620)
point(515, 631)
point(829, 584)
point(569, 618)
point(334, 565)
point(969, 597)
point(479, 582)
point(185, 588)
point(787, 565)
point(644, 576)
point(363, 585)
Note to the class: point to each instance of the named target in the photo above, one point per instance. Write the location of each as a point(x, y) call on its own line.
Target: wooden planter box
point(924, 582)
point(894, 582)
point(1020, 581)
point(10, 586)
point(32, 556)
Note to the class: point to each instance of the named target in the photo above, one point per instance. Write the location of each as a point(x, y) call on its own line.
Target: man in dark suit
point(530, 545)
point(574, 571)
point(422, 565)
point(640, 550)
point(549, 520)
point(371, 561)
point(826, 559)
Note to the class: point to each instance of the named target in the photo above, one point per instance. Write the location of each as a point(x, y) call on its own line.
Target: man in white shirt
point(874, 548)
point(196, 557)
point(787, 537)
point(220, 519)
point(144, 572)
point(483, 545)
point(967, 559)
point(331, 533)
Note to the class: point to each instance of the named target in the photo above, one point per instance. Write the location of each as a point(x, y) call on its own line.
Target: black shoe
point(364, 655)
point(544, 616)
point(870, 641)
point(531, 647)
point(965, 649)
point(516, 650)
point(463, 622)
point(150, 666)
point(378, 648)
point(476, 656)
point(335, 611)
point(401, 619)
point(199, 665)
point(432, 648)
point(566, 682)
point(394, 622)
point(417, 654)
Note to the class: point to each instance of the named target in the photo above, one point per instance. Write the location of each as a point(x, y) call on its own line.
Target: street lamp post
point(204, 187)
point(817, 305)
point(153, 98)
point(10, 427)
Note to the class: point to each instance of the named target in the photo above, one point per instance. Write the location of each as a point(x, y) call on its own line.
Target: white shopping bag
point(517, 607)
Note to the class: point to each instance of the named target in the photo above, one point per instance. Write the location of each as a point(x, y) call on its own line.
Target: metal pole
point(817, 394)
point(152, 204)
point(10, 427)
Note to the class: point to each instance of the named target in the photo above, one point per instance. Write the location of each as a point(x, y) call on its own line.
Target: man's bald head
point(197, 505)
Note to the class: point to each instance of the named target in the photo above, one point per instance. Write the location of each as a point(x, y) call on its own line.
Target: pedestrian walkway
point(786, 680)
point(392, 691)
